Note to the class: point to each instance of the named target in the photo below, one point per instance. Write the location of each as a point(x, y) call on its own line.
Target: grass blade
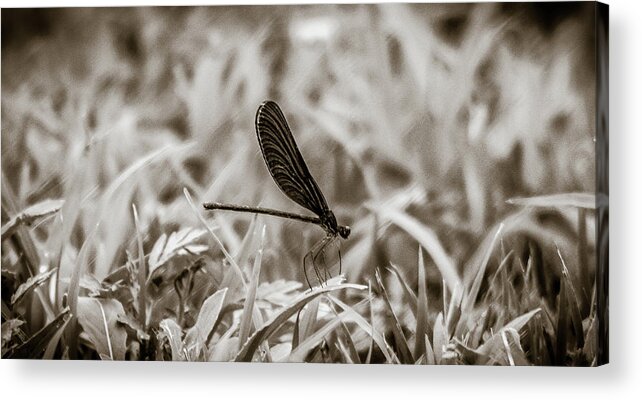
point(170, 329)
point(409, 294)
point(580, 200)
point(38, 343)
point(473, 291)
point(298, 354)
point(400, 339)
point(428, 240)
point(229, 258)
point(368, 328)
point(208, 315)
point(250, 297)
point(31, 284)
point(30, 215)
point(265, 332)
point(573, 303)
point(422, 309)
point(142, 274)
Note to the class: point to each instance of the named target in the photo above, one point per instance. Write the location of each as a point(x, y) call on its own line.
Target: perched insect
point(291, 174)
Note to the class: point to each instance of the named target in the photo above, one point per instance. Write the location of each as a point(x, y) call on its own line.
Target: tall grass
point(419, 122)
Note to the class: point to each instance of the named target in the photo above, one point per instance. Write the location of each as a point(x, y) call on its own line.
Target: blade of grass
point(53, 343)
point(266, 331)
point(142, 274)
point(170, 329)
point(309, 320)
point(298, 354)
point(582, 257)
point(439, 338)
point(368, 328)
point(38, 343)
point(573, 302)
point(372, 330)
point(426, 237)
point(409, 294)
point(250, 297)
point(31, 284)
point(580, 200)
point(400, 339)
point(473, 291)
point(207, 317)
point(115, 201)
point(21, 238)
point(31, 214)
point(73, 290)
point(229, 258)
point(430, 354)
point(422, 308)
point(349, 344)
point(517, 324)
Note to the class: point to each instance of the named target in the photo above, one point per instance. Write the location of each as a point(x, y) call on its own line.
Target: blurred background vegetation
point(418, 122)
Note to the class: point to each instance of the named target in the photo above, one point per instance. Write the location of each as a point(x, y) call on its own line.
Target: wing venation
point(284, 160)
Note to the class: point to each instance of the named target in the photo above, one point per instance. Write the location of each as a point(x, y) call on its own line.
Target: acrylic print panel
point(382, 183)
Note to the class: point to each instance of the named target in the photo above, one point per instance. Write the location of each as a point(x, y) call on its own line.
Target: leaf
point(30, 284)
point(173, 333)
point(37, 344)
point(280, 317)
point(513, 352)
point(280, 351)
point(580, 200)
point(30, 214)
point(208, 315)
point(133, 326)
point(53, 343)
point(9, 328)
point(439, 338)
point(178, 243)
point(470, 356)
point(99, 319)
point(495, 341)
point(309, 320)
point(224, 350)
point(430, 354)
point(279, 292)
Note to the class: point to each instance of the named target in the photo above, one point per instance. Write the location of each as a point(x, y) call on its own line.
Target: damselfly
point(291, 175)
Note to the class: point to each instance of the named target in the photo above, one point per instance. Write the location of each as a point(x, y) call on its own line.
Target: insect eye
point(344, 231)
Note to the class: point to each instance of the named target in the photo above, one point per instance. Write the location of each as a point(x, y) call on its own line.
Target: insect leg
point(339, 250)
point(311, 256)
point(321, 253)
point(305, 269)
point(326, 274)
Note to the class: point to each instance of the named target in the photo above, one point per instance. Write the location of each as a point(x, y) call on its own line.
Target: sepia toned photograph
point(421, 184)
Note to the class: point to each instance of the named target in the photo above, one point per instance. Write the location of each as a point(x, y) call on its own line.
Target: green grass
point(472, 234)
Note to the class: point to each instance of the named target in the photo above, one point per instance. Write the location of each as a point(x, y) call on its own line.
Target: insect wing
point(284, 160)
